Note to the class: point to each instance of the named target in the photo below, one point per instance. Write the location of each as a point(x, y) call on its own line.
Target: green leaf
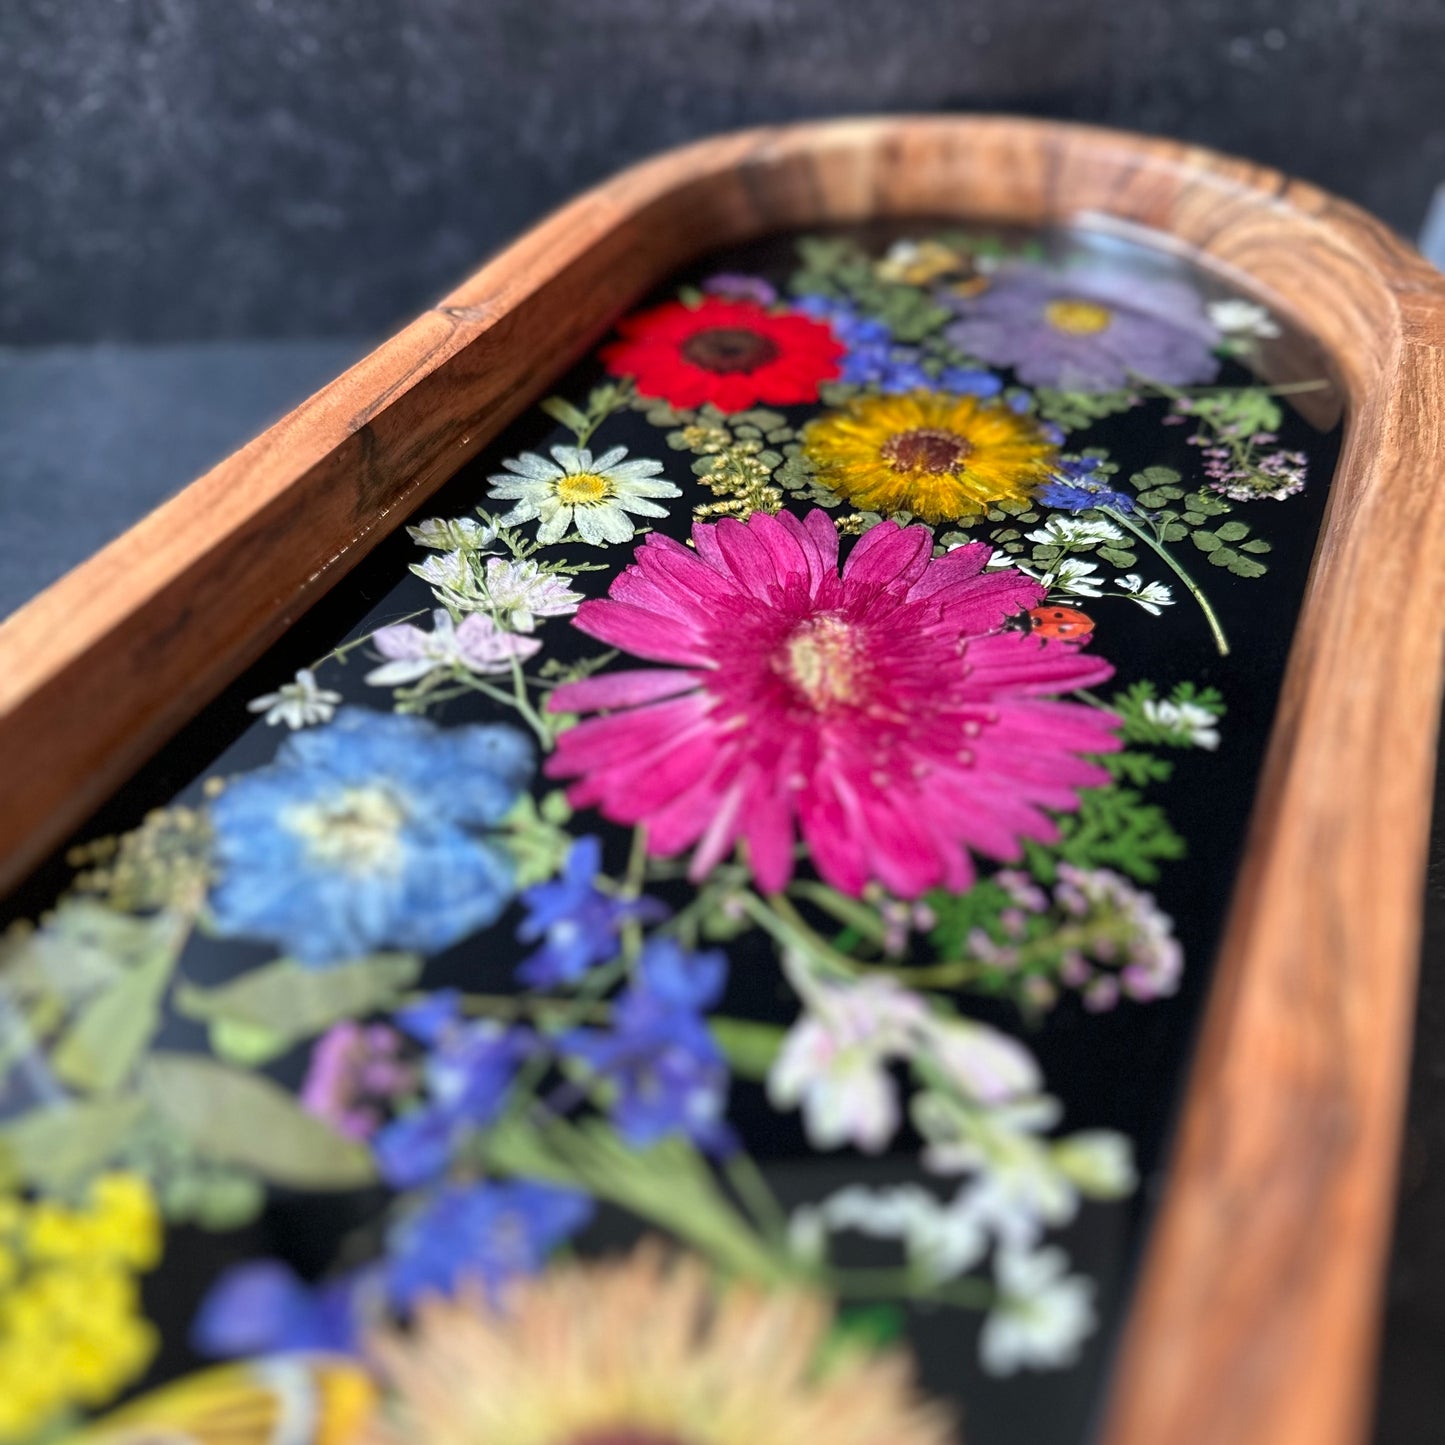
point(249, 1045)
point(858, 1333)
point(1256, 544)
point(1175, 532)
point(1206, 541)
point(1232, 531)
point(1243, 566)
point(536, 841)
point(1114, 828)
point(245, 1120)
point(261, 1014)
point(57, 1147)
point(562, 410)
point(1210, 503)
point(1157, 477)
point(1117, 557)
point(750, 1047)
point(79, 949)
point(110, 1032)
point(1075, 410)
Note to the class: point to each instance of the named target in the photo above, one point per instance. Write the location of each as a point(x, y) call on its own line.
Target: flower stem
point(969, 1294)
point(1157, 546)
point(750, 1185)
point(778, 918)
point(523, 704)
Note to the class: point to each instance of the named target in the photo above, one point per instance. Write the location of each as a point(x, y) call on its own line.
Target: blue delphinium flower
point(491, 1232)
point(366, 833)
point(669, 1074)
point(261, 1307)
point(874, 358)
point(577, 924)
point(1079, 487)
point(469, 1068)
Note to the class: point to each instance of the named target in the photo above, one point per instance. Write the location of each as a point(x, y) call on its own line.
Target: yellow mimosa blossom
point(72, 1334)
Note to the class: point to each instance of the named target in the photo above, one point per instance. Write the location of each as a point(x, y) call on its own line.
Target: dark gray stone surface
point(177, 169)
point(93, 437)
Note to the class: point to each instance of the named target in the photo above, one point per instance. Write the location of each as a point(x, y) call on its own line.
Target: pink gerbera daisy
point(885, 713)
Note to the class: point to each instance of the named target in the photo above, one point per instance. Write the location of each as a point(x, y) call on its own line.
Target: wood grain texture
point(1256, 1316)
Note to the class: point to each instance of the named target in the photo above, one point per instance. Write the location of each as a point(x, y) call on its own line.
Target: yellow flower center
point(822, 660)
point(356, 829)
point(1077, 318)
point(928, 449)
point(583, 489)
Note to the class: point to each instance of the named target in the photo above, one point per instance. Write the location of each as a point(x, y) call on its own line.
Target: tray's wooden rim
point(1257, 1311)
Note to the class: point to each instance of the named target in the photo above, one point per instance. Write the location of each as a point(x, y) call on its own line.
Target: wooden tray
point(1256, 1314)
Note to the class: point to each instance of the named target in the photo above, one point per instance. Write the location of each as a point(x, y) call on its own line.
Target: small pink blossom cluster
point(1104, 938)
point(900, 919)
point(1142, 946)
point(354, 1069)
point(1236, 467)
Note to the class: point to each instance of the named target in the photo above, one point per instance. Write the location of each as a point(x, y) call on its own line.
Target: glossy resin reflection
point(734, 884)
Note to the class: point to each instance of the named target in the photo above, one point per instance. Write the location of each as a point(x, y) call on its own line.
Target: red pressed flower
point(731, 353)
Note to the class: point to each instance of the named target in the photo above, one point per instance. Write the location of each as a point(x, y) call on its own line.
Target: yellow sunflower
point(935, 455)
point(641, 1351)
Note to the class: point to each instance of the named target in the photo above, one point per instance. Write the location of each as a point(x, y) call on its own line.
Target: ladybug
point(1065, 625)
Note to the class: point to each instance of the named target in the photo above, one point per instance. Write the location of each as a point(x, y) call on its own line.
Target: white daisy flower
point(299, 704)
point(1242, 318)
point(1196, 723)
point(452, 580)
point(521, 592)
point(1042, 1317)
point(476, 644)
point(445, 534)
point(1075, 532)
point(1074, 578)
point(574, 490)
point(1151, 596)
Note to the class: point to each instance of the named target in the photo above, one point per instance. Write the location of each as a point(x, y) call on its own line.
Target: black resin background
point(1119, 1070)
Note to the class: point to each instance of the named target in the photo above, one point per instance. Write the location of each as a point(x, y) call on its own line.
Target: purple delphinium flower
point(578, 925)
point(468, 1070)
point(669, 1073)
point(261, 1307)
point(735, 286)
point(1088, 329)
point(355, 1067)
point(490, 1232)
point(1078, 487)
point(874, 358)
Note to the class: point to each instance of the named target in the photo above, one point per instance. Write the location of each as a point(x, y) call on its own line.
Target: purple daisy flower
point(1088, 330)
point(734, 286)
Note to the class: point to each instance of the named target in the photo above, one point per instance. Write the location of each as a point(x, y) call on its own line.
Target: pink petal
point(621, 689)
point(660, 639)
point(889, 555)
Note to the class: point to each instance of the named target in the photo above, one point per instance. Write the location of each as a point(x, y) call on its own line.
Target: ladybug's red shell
point(1061, 624)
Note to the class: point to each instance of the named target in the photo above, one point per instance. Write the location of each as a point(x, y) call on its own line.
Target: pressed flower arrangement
point(752, 827)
